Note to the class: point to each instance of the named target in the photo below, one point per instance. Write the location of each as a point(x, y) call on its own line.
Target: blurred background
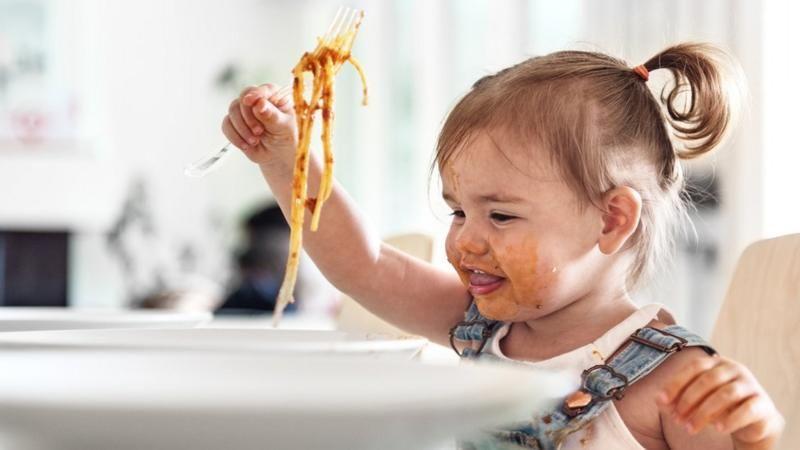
point(102, 104)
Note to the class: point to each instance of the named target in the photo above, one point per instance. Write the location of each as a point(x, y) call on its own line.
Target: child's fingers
point(230, 132)
point(742, 421)
point(246, 99)
point(268, 114)
point(251, 121)
point(284, 103)
point(674, 388)
point(754, 420)
point(703, 385)
point(252, 94)
point(235, 115)
point(717, 404)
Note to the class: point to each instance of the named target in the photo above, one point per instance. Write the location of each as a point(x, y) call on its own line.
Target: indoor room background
point(102, 104)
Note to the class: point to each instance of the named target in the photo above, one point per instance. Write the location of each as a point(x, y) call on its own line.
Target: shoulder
point(638, 408)
point(672, 366)
point(676, 362)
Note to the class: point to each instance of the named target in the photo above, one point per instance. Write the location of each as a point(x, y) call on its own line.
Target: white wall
point(146, 70)
point(157, 63)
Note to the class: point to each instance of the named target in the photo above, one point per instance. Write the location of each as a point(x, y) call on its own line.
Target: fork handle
point(202, 167)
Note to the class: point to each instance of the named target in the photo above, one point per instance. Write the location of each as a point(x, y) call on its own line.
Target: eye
point(458, 213)
point(498, 217)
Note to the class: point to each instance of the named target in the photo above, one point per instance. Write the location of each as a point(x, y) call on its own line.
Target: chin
point(497, 309)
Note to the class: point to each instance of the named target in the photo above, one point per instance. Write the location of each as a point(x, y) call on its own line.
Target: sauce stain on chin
point(497, 309)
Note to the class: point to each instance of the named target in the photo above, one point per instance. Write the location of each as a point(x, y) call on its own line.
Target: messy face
point(519, 238)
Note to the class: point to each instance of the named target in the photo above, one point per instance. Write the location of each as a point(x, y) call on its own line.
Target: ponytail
point(702, 120)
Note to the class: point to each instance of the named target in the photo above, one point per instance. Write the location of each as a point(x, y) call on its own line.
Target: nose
point(471, 239)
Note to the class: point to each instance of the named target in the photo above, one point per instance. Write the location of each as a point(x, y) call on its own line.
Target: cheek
point(454, 258)
point(531, 273)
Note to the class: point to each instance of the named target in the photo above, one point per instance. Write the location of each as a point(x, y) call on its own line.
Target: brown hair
point(603, 127)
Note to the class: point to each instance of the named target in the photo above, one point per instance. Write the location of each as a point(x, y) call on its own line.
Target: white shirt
point(607, 431)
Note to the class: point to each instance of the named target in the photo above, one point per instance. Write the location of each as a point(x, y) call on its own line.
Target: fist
point(261, 122)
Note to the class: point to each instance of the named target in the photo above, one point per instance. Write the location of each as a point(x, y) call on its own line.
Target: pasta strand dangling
point(323, 64)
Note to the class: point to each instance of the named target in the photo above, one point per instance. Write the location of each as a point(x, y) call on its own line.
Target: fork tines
point(346, 20)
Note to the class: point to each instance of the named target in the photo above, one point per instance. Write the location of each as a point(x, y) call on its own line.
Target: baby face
point(519, 239)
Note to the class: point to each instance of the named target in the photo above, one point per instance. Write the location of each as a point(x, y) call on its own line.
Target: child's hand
point(262, 125)
point(723, 393)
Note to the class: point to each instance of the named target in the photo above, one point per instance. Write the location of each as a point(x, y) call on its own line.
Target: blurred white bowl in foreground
point(201, 401)
point(288, 322)
point(27, 319)
point(217, 339)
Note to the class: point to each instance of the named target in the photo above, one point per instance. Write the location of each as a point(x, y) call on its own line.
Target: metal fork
point(202, 167)
point(344, 20)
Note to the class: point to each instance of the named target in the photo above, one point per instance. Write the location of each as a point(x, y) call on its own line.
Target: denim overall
point(642, 352)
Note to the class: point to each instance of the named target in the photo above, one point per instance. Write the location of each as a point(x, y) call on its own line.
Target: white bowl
point(210, 401)
point(220, 340)
point(28, 319)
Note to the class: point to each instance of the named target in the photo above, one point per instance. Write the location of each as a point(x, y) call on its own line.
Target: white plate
point(299, 321)
point(217, 339)
point(27, 319)
point(204, 401)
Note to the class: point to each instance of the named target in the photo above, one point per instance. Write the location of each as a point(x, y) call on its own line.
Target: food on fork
point(332, 51)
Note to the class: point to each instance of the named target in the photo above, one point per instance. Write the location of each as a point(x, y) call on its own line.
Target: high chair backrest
point(759, 324)
point(354, 317)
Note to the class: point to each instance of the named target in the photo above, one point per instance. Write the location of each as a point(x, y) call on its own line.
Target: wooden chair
point(354, 317)
point(759, 323)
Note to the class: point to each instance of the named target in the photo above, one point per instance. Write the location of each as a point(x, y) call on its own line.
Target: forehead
point(494, 160)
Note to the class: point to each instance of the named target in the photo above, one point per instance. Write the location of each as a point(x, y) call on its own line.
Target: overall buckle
point(580, 400)
point(486, 333)
point(676, 347)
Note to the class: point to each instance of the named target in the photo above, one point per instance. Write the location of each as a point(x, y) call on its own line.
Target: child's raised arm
point(406, 291)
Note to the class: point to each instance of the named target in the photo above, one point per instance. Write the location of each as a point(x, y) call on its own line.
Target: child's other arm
point(406, 291)
point(715, 403)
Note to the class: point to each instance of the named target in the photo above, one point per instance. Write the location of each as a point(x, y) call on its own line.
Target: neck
point(580, 322)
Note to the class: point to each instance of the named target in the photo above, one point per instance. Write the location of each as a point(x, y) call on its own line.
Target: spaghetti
point(323, 64)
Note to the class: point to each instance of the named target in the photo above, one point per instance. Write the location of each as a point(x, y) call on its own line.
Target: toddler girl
point(563, 176)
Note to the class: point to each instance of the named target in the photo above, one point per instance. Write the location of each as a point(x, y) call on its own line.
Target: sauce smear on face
point(524, 285)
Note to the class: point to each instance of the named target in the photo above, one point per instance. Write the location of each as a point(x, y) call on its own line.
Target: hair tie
point(642, 72)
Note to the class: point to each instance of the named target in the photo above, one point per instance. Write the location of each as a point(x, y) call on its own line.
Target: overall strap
point(474, 328)
point(639, 355)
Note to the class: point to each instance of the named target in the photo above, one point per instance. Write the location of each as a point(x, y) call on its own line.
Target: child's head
point(592, 157)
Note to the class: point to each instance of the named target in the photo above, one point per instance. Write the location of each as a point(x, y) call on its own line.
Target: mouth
point(481, 282)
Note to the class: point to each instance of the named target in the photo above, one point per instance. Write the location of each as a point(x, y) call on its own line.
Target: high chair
point(354, 317)
point(759, 322)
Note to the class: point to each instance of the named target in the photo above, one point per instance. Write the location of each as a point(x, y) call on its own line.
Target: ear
point(623, 209)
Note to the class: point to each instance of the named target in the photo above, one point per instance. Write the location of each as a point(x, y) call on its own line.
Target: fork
point(344, 20)
point(204, 166)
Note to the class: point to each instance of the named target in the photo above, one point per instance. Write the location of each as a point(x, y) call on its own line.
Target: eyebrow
point(489, 198)
point(501, 198)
